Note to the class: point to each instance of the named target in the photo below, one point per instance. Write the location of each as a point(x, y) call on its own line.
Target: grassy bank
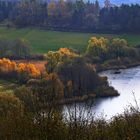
point(42, 41)
point(117, 65)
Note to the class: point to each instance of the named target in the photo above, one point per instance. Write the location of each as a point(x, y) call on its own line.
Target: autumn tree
point(68, 52)
point(57, 57)
point(98, 47)
point(114, 48)
point(21, 71)
point(7, 66)
point(30, 69)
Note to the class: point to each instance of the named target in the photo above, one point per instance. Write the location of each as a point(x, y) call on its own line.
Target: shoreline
point(84, 98)
point(101, 68)
point(94, 96)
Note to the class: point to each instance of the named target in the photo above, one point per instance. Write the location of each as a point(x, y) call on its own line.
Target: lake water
point(127, 83)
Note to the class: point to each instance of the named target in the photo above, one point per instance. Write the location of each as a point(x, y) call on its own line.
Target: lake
point(127, 83)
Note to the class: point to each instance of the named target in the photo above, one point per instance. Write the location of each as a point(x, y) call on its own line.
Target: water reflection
point(127, 82)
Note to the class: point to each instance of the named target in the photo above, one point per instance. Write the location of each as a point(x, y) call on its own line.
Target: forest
point(71, 16)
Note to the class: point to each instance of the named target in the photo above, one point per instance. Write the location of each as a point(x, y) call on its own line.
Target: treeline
point(71, 16)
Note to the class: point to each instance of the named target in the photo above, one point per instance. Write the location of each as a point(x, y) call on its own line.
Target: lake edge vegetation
point(74, 74)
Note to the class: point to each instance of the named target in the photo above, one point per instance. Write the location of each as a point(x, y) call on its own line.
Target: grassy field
point(42, 41)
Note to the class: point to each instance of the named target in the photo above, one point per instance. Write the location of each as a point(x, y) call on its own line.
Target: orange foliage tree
point(29, 69)
point(7, 66)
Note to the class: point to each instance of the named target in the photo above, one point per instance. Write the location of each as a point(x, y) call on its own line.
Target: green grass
point(42, 41)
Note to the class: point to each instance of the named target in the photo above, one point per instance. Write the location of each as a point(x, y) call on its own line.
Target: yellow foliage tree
point(67, 52)
point(98, 42)
point(97, 46)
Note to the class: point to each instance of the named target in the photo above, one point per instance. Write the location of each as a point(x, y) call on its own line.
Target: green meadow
point(41, 41)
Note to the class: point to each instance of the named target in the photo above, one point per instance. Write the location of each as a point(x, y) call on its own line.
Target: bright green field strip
point(42, 41)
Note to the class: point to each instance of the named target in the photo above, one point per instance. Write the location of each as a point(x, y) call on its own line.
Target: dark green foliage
point(83, 78)
point(77, 16)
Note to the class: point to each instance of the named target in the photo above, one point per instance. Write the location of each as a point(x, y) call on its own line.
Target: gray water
point(127, 83)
